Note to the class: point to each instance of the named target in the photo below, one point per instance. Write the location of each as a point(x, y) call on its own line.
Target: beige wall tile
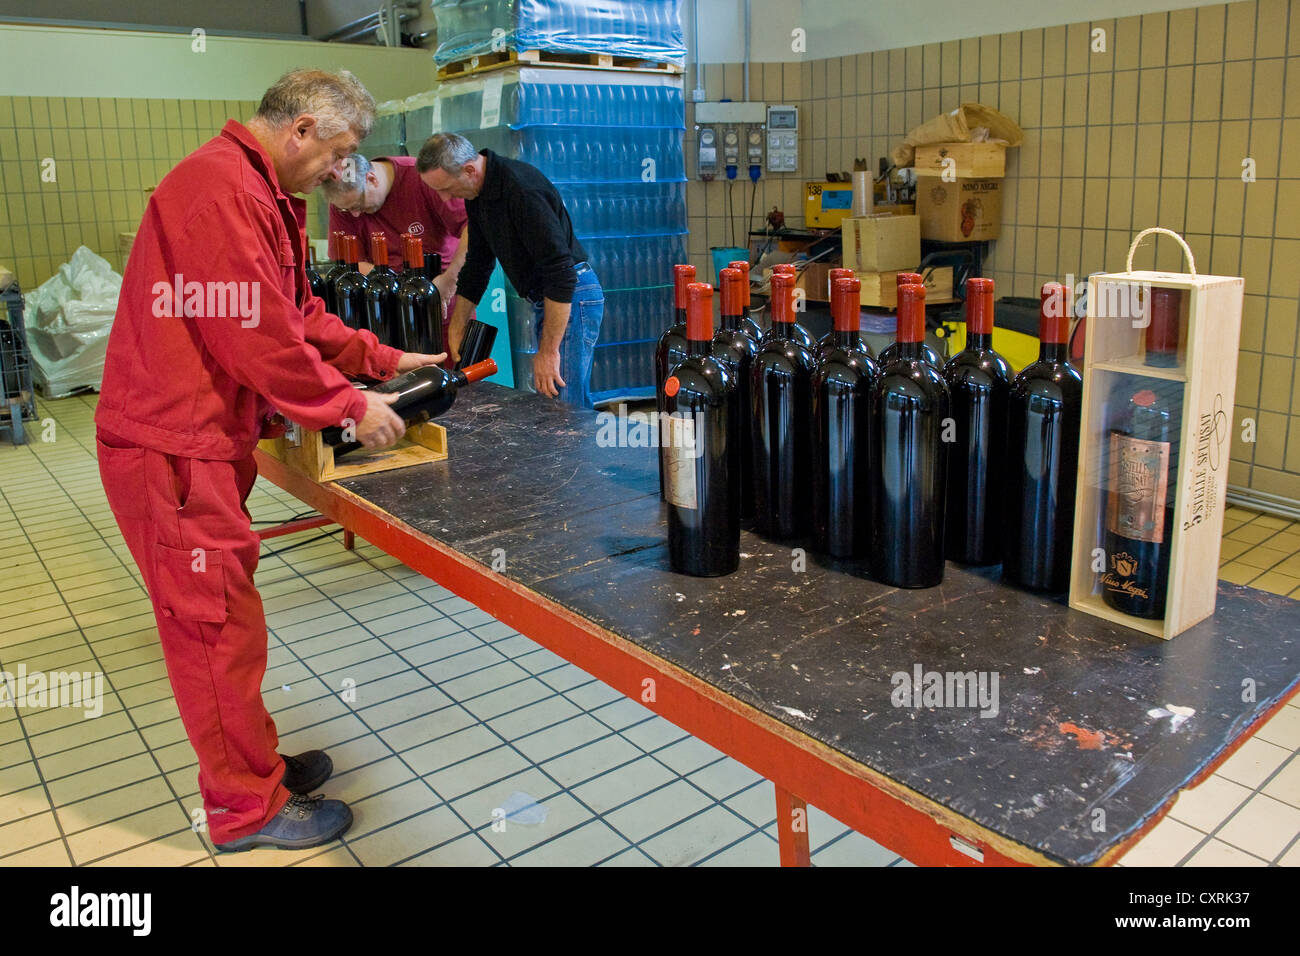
point(1266, 84)
point(1288, 208)
point(1280, 333)
point(1009, 56)
point(1182, 37)
point(1031, 54)
point(1229, 203)
point(1209, 34)
point(1254, 308)
point(1174, 158)
point(1178, 93)
point(1261, 207)
point(1270, 444)
point(1124, 97)
point(1234, 96)
point(1146, 202)
point(1151, 96)
point(1275, 385)
point(1285, 278)
point(1200, 206)
point(1270, 27)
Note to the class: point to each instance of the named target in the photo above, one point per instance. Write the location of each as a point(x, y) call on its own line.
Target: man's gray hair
point(446, 151)
point(338, 101)
point(350, 181)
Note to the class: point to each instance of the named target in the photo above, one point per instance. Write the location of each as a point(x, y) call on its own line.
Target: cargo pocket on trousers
point(191, 584)
point(124, 488)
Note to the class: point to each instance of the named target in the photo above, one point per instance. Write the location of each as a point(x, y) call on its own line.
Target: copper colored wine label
point(680, 456)
point(1139, 486)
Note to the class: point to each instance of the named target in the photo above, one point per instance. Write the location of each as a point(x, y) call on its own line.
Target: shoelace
point(302, 804)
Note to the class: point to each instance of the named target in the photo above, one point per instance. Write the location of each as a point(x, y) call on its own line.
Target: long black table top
point(1090, 715)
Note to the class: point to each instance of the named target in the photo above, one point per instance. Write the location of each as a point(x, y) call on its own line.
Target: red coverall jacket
point(203, 387)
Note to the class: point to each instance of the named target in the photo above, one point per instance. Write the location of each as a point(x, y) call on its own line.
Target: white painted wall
point(69, 61)
point(843, 27)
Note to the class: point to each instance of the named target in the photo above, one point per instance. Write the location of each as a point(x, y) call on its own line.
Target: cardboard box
point(962, 160)
point(880, 289)
point(1117, 482)
point(881, 243)
point(814, 280)
point(968, 210)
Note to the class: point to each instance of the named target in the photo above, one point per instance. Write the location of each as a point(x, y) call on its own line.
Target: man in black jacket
point(516, 216)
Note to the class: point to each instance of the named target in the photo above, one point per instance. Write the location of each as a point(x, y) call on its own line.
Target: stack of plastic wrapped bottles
point(649, 29)
point(612, 144)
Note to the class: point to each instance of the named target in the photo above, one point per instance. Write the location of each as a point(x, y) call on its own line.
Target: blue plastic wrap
point(647, 29)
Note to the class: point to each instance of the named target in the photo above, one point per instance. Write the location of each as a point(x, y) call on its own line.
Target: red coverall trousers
point(188, 529)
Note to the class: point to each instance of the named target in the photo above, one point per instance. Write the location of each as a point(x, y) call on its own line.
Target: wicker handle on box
point(1128, 266)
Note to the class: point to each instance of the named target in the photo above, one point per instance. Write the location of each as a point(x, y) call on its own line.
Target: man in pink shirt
point(387, 195)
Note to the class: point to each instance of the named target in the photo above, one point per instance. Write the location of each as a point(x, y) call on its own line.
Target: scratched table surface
point(1090, 716)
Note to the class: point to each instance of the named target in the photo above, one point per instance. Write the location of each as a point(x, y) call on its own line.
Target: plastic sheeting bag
point(70, 317)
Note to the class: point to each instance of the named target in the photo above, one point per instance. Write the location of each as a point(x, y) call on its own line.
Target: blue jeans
point(580, 335)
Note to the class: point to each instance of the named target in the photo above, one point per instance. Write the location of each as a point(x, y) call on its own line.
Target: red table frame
point(803, 770)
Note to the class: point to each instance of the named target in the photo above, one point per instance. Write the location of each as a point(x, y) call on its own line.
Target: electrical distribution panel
point(783, 139)
point(707, 158)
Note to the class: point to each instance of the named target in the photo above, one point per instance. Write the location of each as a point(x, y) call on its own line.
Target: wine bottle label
point(1139, 486)
point(680, 457)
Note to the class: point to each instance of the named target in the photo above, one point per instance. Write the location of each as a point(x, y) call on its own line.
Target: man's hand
point(446, 286)
point(546, 373)
point(380, 426)
point(410, 361)
point(455, 336)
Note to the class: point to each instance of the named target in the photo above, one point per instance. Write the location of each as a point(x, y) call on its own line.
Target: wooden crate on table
point(303, 450)
point(1200, 385)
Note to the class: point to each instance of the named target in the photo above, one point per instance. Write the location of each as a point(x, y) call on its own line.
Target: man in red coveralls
point(387, 195)
point(216, 330)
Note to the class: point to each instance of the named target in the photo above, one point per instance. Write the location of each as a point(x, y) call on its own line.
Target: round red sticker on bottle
point(672, 386)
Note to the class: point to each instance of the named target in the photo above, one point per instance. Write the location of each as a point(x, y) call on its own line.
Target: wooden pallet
point(485, 62)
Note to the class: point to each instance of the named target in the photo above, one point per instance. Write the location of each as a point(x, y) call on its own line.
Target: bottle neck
point(730, 322)
point(845, 339)
point(979, 340)
point(680, 315)
point(696, 347)
point(1053, 352)
point(910, 350)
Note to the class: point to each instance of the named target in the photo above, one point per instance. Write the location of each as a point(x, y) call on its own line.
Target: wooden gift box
point(969, 160)
point(303, 450)
point(1204, 382)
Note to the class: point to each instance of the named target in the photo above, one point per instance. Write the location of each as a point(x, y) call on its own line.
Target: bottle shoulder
point(784, 353)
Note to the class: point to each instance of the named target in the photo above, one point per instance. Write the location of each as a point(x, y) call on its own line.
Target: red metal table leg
point(792, 829)
point(291, 527)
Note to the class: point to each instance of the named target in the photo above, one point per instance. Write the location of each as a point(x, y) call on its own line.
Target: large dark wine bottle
point(889, 352)
point(332, 274)
point(794, 330)
point(350, 288)
point(701, 483)
point(843, 394)
point(1143, 463)
point(912, 458)
point(979, 383)
point(382, 284)
point(735, 349)
point(315, 280)
point(1140, 501)
point(747, 324)
point(782, 422)
point(423, 394)
point(419, 304)
point(1044, 408)
point(671, 348)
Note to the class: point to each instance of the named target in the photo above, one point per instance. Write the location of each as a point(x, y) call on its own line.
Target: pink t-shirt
point(411, 207)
